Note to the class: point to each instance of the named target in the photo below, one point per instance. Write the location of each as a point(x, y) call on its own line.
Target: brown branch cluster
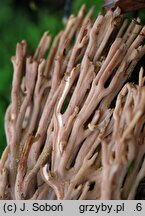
point(65, 137)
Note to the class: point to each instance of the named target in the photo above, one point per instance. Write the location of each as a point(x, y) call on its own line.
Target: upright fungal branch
point(65, 138)
point(123, 151)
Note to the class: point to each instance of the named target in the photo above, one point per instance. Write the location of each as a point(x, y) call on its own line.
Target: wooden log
point(125, 5)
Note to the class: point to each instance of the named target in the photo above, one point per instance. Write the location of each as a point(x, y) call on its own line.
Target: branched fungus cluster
point(75, 127)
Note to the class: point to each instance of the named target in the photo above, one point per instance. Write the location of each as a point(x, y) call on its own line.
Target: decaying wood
point(125, 5)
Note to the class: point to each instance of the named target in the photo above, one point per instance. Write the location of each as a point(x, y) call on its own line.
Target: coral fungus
point(75, 128)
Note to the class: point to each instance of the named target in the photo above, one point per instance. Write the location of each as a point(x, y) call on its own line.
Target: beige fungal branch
point(75, 127)
point(125, 149)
